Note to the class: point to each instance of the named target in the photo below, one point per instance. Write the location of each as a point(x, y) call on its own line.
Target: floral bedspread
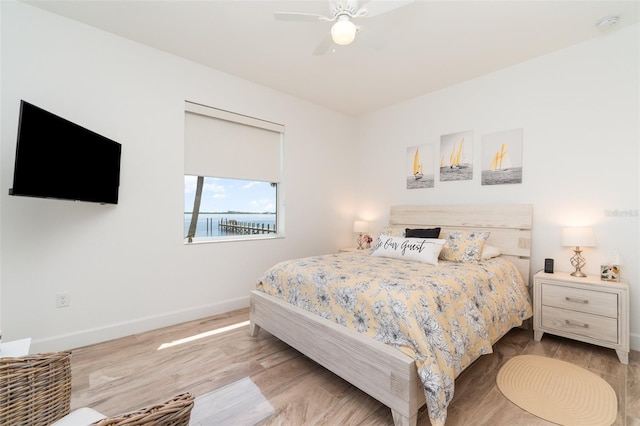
point(442, 316)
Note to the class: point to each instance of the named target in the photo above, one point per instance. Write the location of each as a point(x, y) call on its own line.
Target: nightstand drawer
point(593, 326)
point(576, 299)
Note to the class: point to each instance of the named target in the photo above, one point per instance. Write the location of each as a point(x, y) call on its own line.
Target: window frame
point(220, 114)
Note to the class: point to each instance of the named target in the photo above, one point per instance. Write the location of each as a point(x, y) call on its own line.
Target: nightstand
point(355, 249)
point(585, 309)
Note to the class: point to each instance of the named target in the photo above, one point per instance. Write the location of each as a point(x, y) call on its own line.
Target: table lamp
point(580, 236)
point(360, 227)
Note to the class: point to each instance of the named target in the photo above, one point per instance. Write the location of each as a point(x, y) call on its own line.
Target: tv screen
point(56, 158)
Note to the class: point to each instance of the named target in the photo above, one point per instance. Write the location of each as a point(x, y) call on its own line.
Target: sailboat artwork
point(458, 166)
point(419, 159)
point(456, 155)
point(502, 158)
point(501, 161)
point(417, 166)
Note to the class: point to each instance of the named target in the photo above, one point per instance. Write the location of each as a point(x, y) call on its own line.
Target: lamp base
point(578, 262)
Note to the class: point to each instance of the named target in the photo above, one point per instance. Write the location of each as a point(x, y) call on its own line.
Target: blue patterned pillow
point(464, 247)
point(392, 231)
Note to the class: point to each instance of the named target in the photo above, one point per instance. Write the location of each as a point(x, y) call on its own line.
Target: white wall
point(126, 267)
point(579, 112)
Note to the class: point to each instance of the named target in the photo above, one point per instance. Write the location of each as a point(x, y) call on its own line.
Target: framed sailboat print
point(420, 162)
point(456, 156)
point(502, 157)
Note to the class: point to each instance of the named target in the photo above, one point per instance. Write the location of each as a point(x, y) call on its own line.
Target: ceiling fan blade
point(295, 16)
point(324, 46)
point(378, 7)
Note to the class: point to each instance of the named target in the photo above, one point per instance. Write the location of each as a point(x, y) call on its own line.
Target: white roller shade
point(223, 144)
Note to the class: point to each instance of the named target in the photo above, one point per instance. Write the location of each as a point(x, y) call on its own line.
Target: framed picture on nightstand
point(610, 273)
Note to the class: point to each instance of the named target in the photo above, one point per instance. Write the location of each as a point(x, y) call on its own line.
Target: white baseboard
point(634, 341)
point(114, 331)
point(127, 328)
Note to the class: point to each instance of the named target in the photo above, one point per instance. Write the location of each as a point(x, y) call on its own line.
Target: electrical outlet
point(62, 300)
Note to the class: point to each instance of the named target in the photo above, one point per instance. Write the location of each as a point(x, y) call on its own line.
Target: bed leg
point(400, 420)
point(253, 329)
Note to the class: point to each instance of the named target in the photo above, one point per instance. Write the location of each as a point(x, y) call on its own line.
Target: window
point(232, 183)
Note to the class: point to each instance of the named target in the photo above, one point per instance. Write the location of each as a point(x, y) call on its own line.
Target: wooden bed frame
point(382, 371)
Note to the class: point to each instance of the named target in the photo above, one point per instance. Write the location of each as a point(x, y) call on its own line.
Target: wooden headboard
point(509, 224)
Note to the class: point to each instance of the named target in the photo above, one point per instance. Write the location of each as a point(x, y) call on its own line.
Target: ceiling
point(428, 45)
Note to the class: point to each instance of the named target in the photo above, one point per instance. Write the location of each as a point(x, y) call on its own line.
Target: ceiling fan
point(342, 13)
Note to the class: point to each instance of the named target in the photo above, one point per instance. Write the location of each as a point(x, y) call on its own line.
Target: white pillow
point(489, 252)
point(425, 250)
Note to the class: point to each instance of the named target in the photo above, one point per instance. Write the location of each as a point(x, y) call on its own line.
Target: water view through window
point(217, 208)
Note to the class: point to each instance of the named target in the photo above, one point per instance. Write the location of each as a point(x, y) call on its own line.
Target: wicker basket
point(174, 412)
point(35, 389)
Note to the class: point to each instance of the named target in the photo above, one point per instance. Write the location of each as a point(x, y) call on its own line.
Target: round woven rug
point(557, 391)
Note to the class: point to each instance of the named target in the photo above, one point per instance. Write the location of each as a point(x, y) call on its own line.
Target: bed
point(394, 377)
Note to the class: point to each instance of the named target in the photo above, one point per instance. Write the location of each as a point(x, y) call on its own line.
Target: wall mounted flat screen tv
point(56, 158)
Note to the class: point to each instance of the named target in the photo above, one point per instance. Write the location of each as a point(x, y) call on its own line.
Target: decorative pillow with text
point(425, 250)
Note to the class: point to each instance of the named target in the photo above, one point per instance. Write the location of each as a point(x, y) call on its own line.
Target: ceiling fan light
point(343, 31)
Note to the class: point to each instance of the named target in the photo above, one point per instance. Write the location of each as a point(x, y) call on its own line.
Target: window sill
point(233, 239)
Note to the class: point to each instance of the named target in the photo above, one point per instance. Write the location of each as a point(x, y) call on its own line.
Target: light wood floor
point(241, 380)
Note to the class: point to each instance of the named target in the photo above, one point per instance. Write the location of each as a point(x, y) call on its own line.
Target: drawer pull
point(579, 324)
point(573, 299)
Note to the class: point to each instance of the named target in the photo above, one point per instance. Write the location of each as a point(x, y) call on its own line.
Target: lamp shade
point(360, 226)
point(343, 31)
point(579, 236)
